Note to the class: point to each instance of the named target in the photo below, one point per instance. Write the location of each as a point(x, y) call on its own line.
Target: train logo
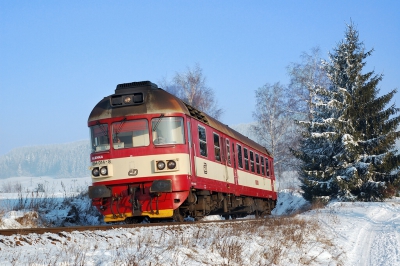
point(133, 172)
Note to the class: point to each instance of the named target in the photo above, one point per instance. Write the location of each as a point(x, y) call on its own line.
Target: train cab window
point(240, 159)
point(99, 138)
point(217, 147)
point(246, 159)
point(130, 134)
point(168, 130)
point(252, 161)
point(228, 154)
point(262, 166)
point(203, 141)
point(257, 164)
point(267, 166)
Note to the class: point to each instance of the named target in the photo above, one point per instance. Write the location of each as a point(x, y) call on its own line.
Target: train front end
point(139, 159)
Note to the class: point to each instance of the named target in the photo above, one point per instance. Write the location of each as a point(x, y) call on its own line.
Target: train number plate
point(101, 162)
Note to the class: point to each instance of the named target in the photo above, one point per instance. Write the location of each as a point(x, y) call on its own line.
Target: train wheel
point(265, 214)
point(178, 217)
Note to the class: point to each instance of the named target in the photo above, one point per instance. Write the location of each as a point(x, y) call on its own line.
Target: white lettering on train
point(97, 157)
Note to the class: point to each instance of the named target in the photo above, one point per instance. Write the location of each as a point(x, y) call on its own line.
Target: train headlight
point(95, 171)
point(103, 170)
point(127, 99)
point(160, 165)
point(171, 164)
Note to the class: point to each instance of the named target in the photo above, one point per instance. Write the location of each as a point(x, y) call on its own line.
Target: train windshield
point(99, 138)
point(130, 134)
point(168, 130)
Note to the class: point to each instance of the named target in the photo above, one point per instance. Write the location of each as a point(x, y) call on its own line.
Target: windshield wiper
point(119, 128)
point(104, 129)
point(158, 122)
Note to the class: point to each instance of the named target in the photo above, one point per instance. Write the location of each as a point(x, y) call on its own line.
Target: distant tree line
point(57, 160)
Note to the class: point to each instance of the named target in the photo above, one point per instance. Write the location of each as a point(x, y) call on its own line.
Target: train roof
point(146, 98)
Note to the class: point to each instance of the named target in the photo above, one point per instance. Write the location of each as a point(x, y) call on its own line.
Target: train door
point(229, 162)
point(224, 158)
point(271, 167)
point(190, 146)
point(235, 173)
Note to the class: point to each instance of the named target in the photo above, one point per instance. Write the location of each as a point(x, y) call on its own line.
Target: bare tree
point(191, 87)
point(278, 107)
point(169, 87)
point(275, 126)
point(305, 78)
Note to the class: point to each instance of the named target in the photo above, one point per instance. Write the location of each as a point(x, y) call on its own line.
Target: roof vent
point(197, 114)
point(127, 87)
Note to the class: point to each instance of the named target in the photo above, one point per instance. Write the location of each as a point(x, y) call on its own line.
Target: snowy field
point(339, 234)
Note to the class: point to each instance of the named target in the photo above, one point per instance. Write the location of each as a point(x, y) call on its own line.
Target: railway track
point(60, 230)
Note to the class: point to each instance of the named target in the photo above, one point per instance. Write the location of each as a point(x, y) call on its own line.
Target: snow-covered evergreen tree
point(348, 148)
point(321, 149)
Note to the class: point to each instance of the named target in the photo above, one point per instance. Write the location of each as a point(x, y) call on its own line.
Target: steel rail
point(60, 230)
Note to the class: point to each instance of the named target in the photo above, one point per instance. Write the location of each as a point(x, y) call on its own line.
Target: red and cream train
point(155, 156)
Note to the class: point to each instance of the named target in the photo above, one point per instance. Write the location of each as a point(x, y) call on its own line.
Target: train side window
point(262, 166)
point(240, 159)
point(203, 141)
point(252, 161)
point(217, 147)
point(228, 154)
point(267, 166)
point(168, 130)
point(271, 168)
point(257, 164)
point(246, 159)
point(189, 132)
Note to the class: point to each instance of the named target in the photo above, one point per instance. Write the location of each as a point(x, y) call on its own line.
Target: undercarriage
point(201, 203)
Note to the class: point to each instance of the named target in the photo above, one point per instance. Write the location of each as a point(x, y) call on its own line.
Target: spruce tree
point(348, 150)
point(321, 149)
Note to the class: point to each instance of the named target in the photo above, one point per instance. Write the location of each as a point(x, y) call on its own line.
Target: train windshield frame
point(168, 130)
point(99, 138)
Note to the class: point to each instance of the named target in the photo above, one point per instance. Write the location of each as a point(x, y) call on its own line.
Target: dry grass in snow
point(272, 241)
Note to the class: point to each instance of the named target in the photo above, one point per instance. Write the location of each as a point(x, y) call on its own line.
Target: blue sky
point(59, 58)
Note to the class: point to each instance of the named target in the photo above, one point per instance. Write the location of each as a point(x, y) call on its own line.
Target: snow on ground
point(57, 202)
point(369, 232)
point(340, 234)
point(290, 202)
